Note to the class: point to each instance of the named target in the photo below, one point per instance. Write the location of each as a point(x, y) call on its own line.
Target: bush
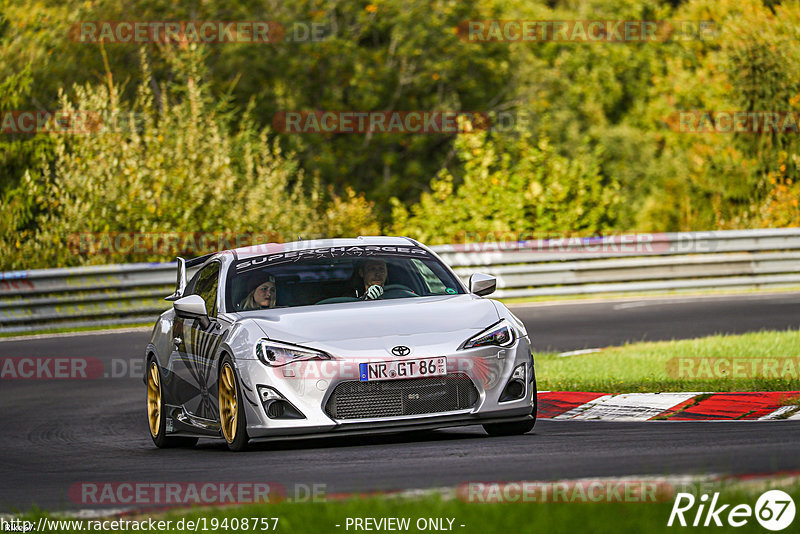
point(512, 183)
point(170, 161)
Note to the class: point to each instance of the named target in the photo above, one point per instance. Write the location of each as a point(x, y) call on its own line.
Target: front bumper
point(308, 386)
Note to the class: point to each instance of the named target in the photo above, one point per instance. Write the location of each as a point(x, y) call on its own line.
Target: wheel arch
point(248, 391)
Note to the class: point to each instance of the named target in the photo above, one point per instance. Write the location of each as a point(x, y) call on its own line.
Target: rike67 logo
point(774, 510)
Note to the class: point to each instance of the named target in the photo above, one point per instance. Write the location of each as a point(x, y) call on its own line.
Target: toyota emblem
point(401, 350)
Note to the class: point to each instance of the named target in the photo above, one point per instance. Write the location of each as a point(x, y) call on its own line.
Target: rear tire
point(516, 428)
point(156, 418)
point(233, 423)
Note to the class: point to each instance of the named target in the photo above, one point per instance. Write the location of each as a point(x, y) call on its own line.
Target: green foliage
point(731, 180)
point(512, 183)
point(383, 55)
point(166, 163)
point(595, 148)
point(372, 56)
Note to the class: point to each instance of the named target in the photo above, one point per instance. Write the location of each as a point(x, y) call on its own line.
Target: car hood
point(357, 326)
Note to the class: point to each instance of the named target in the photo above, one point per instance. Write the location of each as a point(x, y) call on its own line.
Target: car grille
point(394, 398)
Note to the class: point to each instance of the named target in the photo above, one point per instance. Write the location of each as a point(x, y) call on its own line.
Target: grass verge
point(761, 361)
point(550, 517)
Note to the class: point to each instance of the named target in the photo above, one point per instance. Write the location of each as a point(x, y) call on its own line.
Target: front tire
point(516, 428)
point(156, 418)
point(231, 410)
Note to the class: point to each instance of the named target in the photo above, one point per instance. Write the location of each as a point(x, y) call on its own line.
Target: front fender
point(242, 339)
point(160, 344)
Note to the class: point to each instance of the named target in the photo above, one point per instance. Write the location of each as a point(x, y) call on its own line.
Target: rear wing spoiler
point(180, 286)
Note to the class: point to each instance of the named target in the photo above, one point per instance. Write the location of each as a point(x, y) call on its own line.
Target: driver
point(374, 273)
point(262, 296)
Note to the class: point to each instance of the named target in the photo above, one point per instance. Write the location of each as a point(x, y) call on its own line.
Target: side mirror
point(482, 284)
point(180, 285)
point(192, 307)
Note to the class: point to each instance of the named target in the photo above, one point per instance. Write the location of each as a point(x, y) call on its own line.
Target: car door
point(197, 346)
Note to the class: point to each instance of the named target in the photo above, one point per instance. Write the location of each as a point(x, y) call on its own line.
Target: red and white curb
point(695, 406)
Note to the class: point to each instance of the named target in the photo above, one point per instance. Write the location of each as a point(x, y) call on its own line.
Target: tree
point(512, 184)
point(167, 163)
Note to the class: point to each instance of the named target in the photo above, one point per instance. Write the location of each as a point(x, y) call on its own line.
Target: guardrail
point(84, 296)
point(742, 259)
point(134, 293)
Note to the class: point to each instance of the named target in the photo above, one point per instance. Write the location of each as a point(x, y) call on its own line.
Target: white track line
point(79, 334)
point(578, 352)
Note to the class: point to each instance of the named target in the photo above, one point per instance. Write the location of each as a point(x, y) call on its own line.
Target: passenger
point(262, 297)
point(374, 273)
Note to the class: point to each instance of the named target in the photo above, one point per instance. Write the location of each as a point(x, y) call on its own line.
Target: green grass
point(643, 367)
point(553, 518)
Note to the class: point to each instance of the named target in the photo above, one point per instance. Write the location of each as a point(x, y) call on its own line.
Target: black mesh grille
point(393, 398)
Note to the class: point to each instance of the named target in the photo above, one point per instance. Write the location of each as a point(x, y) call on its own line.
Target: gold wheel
point(154, 399)
point(228, 405)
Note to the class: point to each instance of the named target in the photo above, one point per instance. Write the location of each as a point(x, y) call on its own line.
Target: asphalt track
point(56, 433)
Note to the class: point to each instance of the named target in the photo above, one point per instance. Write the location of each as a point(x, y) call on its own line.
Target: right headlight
point(278, 353)
point(500, 334)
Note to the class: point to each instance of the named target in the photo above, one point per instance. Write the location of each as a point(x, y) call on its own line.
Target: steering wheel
point(400, 290)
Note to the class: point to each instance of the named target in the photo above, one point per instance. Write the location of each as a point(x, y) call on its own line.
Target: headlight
point(499, 335)
point(277, 353)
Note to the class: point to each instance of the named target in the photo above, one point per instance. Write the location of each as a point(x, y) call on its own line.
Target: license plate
point(400, 369)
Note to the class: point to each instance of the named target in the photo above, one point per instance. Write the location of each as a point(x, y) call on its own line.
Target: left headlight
point(277, 353)
point(500, 334)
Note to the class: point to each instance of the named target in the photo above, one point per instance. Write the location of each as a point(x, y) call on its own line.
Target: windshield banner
point(361, 251)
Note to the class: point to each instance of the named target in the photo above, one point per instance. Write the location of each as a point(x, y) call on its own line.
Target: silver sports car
point(334, 337)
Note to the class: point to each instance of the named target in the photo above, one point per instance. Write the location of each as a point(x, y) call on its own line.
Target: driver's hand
point(373, 292)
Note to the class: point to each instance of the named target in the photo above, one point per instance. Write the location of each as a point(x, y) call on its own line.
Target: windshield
point(335, 275)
